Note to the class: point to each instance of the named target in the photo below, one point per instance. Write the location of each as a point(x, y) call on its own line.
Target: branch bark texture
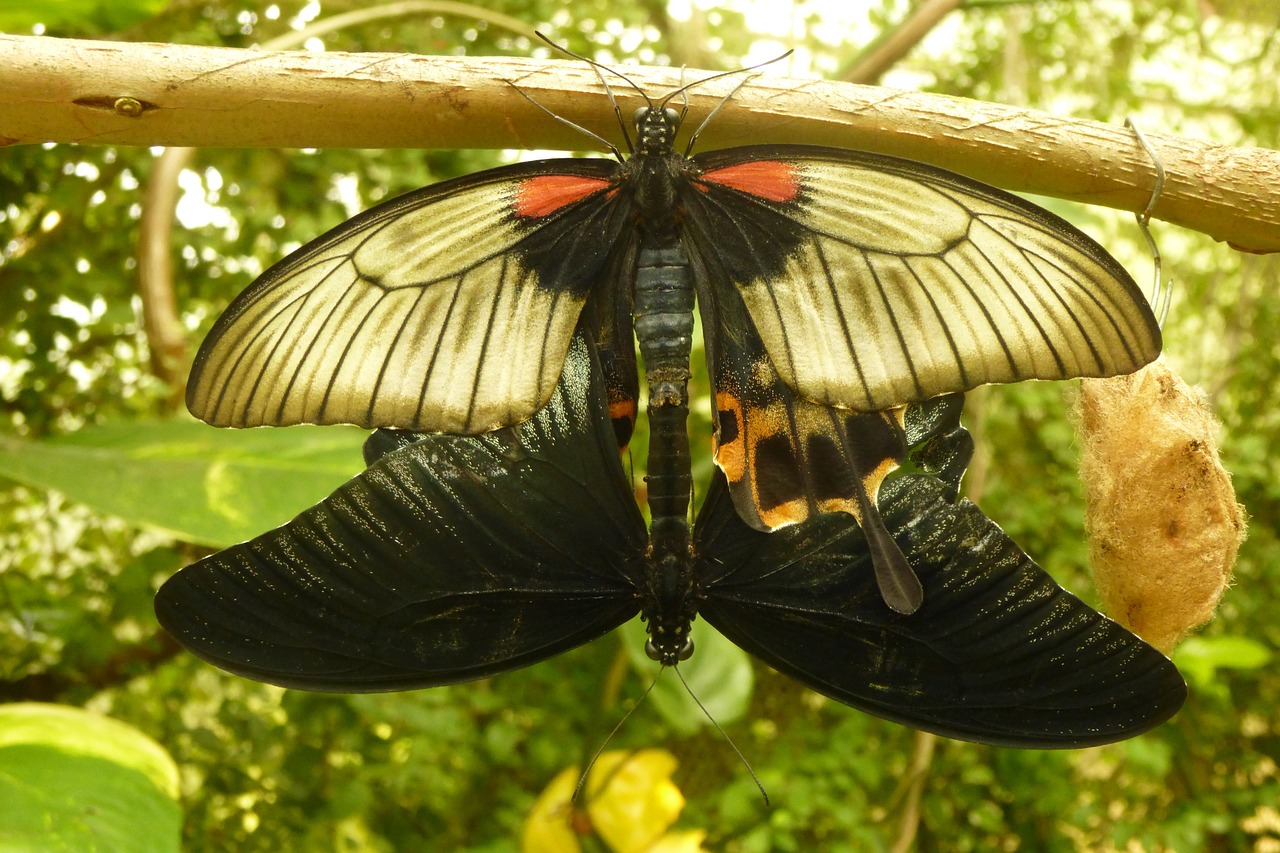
point(110, 93)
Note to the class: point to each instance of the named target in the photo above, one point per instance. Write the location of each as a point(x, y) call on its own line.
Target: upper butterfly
point(827, 280)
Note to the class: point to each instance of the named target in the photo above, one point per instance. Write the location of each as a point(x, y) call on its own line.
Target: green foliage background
point(458, 767)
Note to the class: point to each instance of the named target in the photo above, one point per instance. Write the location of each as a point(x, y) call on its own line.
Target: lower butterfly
point(452, 558)
point(830, 283)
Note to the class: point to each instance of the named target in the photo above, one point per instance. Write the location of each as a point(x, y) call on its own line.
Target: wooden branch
point(110, 93)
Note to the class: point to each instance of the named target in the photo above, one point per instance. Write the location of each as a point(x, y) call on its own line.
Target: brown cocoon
point(1162, 517)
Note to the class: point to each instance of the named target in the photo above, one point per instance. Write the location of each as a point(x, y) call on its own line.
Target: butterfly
point(455, 557)
point(831, 284)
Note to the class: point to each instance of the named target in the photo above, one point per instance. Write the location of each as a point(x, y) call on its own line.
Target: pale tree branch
point(166, 336)
point(111, 93)
point(884, 52)
point(923, 745)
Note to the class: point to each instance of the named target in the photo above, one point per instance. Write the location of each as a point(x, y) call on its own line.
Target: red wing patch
point(545, 194)
point(772, 180)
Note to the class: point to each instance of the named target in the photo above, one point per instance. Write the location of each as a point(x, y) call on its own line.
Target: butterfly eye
point(641, 114)
point(673, 117)
point(664, 656)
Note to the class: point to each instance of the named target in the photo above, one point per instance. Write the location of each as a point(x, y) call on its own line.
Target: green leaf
point(75, 781)
point(1200, 658)
point(719, 674)
point(107, 15)
point(210, 486)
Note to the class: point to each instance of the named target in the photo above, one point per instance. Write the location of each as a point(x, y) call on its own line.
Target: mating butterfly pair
point(830, 283)
point(452, 558)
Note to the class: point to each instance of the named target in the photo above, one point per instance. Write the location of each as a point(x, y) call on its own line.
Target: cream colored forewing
point(895, 282)
point(440, 311)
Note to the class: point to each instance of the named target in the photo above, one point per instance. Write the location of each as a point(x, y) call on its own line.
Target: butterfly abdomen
point(663, 313)
point(663, 319)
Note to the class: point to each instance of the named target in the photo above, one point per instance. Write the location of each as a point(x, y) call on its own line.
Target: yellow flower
point(629, 801)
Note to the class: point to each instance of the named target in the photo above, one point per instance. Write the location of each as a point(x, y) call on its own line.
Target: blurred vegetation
point(460, 767)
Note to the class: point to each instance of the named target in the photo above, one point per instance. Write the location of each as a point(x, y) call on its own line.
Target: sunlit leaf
point(1200, 658)
point(71, 780)
point(215, 487)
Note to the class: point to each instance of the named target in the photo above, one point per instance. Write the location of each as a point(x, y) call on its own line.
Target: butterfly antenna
point(685, 87)
point(613, 149)
point(617, 110)
point(600, 67)
point(747, 764)
point(582, 780)
point(720, 74)
point(1161, 293)
point(693, 137)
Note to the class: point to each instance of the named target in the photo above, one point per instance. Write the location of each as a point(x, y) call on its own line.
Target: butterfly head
point(656, 128)
point(670, 599)
point(668, 647)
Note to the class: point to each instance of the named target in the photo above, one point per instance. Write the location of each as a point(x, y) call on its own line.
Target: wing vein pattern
point(444, 310)
point(886, 282)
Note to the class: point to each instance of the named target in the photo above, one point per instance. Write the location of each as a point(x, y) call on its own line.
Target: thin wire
point(1161, 293)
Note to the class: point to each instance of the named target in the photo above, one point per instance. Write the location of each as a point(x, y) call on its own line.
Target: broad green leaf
point(75, 781)
point(206, 485)
point(719, 674)
point(106, 15)
point(1200, 658)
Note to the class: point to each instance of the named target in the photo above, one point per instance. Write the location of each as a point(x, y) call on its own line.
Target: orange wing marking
point(545, 194)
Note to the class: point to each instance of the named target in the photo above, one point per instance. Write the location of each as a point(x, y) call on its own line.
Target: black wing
point(998, 653)
point(450, 558)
